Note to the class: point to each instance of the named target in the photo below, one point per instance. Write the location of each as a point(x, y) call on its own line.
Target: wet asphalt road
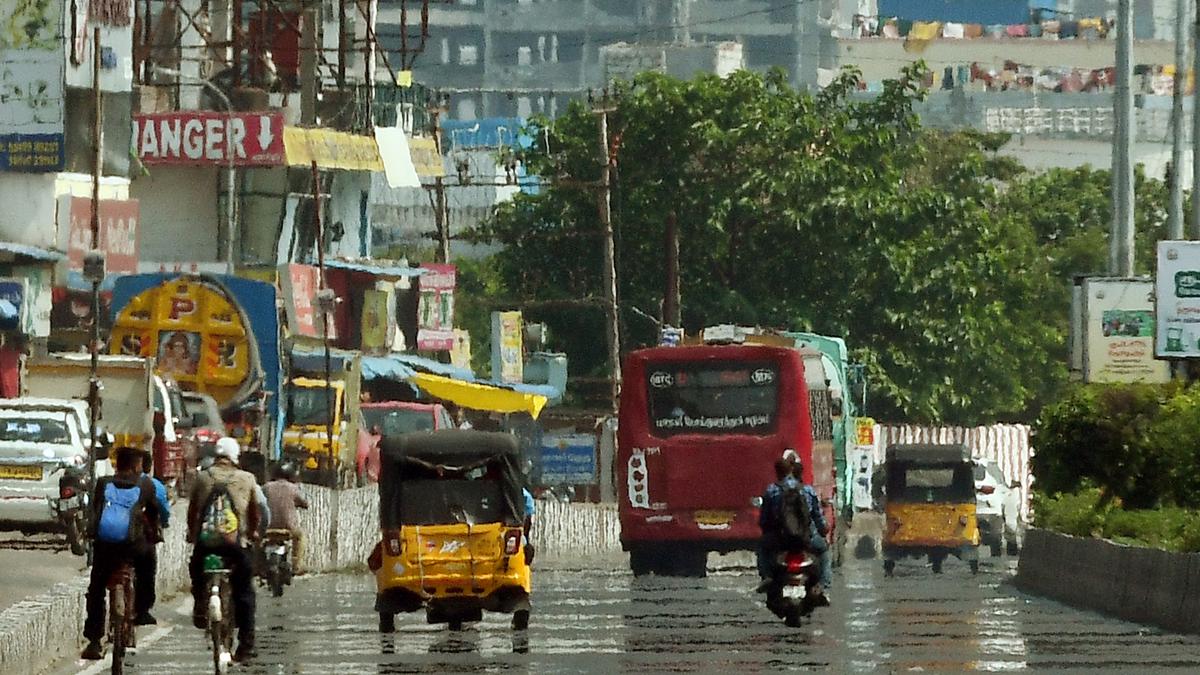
point(595, 617)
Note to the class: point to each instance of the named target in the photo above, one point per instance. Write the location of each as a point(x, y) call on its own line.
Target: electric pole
point(613, 329)
point(672, 302)
point(93, 267)
point(1195, 229)
point(1175, 215)
point(1121, 244)
point(440, 214)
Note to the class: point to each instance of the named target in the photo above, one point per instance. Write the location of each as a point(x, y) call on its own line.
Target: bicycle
point(120, 615)
point(220, 612)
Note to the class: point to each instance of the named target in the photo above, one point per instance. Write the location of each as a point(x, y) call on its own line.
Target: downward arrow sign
point(264, 132)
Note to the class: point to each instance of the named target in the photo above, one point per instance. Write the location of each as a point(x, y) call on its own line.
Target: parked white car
point(39, 438)
point(997, 508)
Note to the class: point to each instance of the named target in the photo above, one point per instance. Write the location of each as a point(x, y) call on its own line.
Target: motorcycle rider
point(283, 498)
point(818, 545)
point(110, 550)
point(768, 519)
point(225, 477)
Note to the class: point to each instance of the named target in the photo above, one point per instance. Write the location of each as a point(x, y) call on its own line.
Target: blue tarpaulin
point(958, 11)
point(491, 132)
point(386, 368)
point(435, 367)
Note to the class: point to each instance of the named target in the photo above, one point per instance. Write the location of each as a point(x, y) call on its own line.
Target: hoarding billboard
point(1177, 305)
point(1118, 334)
point(31, 87)
point(436, 309)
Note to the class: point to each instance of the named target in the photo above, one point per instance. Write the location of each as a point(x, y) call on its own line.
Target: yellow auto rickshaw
point(929, 504)
point(454, 528)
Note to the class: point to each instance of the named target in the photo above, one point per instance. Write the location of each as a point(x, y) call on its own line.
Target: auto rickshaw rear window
point(441, 502)
point(908, 483)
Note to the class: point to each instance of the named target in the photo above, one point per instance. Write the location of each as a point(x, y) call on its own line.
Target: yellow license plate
point(21, 472)
point(714, 517)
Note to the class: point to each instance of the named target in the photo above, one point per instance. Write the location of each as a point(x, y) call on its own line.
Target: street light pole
point(230, 168)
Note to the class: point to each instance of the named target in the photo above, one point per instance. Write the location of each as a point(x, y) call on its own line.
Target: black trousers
point(106, 558)
point(241, 581)
point(145, 567)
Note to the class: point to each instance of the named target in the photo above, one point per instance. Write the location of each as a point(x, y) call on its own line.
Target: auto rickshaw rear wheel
point(889, 567)
point(974, 566)
point(387, 622)
point(520, 620)
point(936, 562)
point(456, 625)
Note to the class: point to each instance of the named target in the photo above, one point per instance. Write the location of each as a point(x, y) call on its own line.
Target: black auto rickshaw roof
point(449, 446)
point(928, 453)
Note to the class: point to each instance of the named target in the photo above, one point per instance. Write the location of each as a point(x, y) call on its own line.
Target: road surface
point(595, 617)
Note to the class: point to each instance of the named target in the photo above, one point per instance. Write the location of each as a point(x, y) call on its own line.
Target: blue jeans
point(824, 558)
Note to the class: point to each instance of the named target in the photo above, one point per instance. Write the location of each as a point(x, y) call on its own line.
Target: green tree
point(823, 212)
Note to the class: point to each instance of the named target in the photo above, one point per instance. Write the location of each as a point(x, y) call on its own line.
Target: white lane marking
point(143, 643)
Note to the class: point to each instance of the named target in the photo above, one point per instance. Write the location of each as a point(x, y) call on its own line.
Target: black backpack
point(795, 520)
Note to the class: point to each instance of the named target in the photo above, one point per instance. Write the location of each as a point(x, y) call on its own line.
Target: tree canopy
point(942, 265)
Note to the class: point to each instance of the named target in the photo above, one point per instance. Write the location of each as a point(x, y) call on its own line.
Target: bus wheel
point(641, 561)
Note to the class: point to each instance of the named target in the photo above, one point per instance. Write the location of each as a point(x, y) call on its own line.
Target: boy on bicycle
point(122, 515)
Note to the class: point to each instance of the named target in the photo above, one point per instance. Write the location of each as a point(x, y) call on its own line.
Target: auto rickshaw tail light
point(986, 489)
point(512, 542)
point(395, 546)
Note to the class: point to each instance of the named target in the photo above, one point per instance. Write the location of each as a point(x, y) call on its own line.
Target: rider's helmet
point(229, 448)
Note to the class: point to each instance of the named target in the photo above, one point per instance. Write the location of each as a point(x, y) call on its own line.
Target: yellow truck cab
point(307, 415)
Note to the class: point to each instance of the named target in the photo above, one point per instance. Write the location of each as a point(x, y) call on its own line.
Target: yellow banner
point(479, 396)
point(425, 157)
point(331, 149)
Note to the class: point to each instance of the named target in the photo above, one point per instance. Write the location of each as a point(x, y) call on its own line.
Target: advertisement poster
point(1178, 300)
point(300, 284)
point(378, 320)
point(31, 86)
point(460, 354)
point(13, 294)
point(38, 298)
point(568, 459)
point(436, 309)
point(1118, 336)
point(506, 347)
point(118, 234)
point(196, 332)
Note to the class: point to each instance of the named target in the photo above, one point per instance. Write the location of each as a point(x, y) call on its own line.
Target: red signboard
point(118, 234)
point(209, 138)
point(436, 311)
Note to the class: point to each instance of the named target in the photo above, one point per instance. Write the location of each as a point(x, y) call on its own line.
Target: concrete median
point(1136, 584)
point(37, 632)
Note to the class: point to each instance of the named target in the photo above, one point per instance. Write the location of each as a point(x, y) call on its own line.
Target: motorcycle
point(790, 588)
point(70, 508)
point(275, 560)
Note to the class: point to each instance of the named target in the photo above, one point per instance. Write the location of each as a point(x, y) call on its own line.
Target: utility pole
point(309, 80)
point(672, 302)
point(441, 215)
point(1175, 215)
point(1195, 229)
point(94, 264)
point(325, 307)
point(1121, 245)
point(613, 329)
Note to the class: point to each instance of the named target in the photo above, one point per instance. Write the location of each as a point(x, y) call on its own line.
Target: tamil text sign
point(199, 137)
point(31, 86)
point(568, 459)
point(1177, 277)
point(118, 234)
point(436, 311)
point(1118, 339)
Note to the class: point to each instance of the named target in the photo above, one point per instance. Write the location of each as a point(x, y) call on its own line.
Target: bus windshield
point(712, 397)
point(309, 405)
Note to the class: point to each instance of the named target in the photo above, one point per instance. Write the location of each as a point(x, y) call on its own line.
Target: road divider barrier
point(341, 527)
point(1144, 585)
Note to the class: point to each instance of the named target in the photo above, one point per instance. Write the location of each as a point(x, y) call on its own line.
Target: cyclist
point(222, 482)
point(120, 520)
point(284, 497)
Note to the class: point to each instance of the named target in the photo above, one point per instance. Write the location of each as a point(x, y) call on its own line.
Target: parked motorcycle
point(275, 560)
point(70, 508)
point(790, 588)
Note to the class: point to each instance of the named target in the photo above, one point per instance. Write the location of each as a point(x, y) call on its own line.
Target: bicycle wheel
point(116, 627)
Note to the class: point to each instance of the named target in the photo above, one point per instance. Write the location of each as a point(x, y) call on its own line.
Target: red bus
point(699, 430)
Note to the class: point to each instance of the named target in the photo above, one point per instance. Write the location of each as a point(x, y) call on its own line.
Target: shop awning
point(385, 368)
point(331, 149)
point(436, 367)
point(480, 396)
point(26, 251)
point(378, 269)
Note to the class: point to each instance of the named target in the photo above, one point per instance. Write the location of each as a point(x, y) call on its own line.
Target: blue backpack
point(122, 516)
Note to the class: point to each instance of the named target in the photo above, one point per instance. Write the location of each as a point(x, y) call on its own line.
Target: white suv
point(997, 508)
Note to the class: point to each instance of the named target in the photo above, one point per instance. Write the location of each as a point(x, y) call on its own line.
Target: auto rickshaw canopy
point(448, 477)
point(929, 473)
